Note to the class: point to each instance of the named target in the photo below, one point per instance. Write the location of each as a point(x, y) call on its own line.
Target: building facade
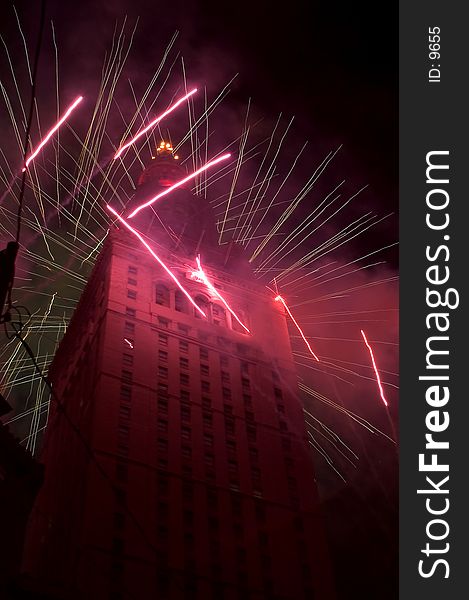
point(177, 464)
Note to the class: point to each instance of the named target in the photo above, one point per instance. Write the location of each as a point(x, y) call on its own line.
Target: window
point(163, 340)
point(185, 395)
point(205, 386)
point(237, 326)
point(278, 393)
point(244, 368)
point(130, 312)
point(283, 426)
point(219, 315)
point(251, 433)
point(181, 303)
point(205, 370)
point(162, 295)
point(209, 459)
point(186, 470)
point(207, 419)
point(245, 383)
point(231, 446)
point(126, 376)
point(206, 403)
point(132, 270)
point(185, 413)
point(203, 353)
point(203, 304)
point(129, 327)
point(253, 454)
point(162, 425)
point(163, 406)
point(249, 416)
point(163, 355)
point(247, 400)
point(185, 433)
point(132, 294)
point(226, 393)
point(227, 409)
point(131, 281)
point(183, 329)
point(224, 360)
point(281, 408)
point(187, 452)
point(124, 412)
point(162, 389)
point(230, 426)
point(126, 393)
point(183, 346)
point(163, 372)
point(184, 378)
point(256, 474)
point(162, 445)
point(225, 377)
point(183, 362)
point(208, 440)
point(127, 360)
point(163, 323)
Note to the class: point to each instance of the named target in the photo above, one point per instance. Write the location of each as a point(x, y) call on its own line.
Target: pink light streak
point(378, 379)
point(70, 109)
point(280, 299)
point(154, 122)
point(129, 343)
point(179, 183)
point(158, 260)
point(200, 273)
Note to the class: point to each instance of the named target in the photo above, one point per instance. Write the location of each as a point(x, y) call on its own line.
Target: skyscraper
point(177, 464)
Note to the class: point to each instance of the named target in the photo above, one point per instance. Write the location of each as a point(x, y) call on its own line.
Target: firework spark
point(201, 274)
point(156, 257)
point(70, 109)
point(280, 299)
point(179, 183)
point(154, 122)
point(378, 378)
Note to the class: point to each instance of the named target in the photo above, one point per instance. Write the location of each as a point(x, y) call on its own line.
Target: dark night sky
point(333, 66)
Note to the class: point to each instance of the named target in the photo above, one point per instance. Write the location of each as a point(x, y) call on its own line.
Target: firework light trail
point(378, 378)
point(280, 299)
point(201, 274)
point(156, 257)
point(179, 183)
point(257, 202)
point(69, 111)
point(154, 122)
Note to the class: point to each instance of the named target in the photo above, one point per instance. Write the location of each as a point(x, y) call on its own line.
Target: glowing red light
point(378, 379)
point(179, 183)
point(158, 260)
point(202, 277)
point(154, 122)
point(280, 299)
point(52, 131)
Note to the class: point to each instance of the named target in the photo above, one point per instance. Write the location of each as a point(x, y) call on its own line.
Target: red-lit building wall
point(205, 486)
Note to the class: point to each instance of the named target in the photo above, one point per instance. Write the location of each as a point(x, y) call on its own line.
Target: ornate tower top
point(164, 170)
